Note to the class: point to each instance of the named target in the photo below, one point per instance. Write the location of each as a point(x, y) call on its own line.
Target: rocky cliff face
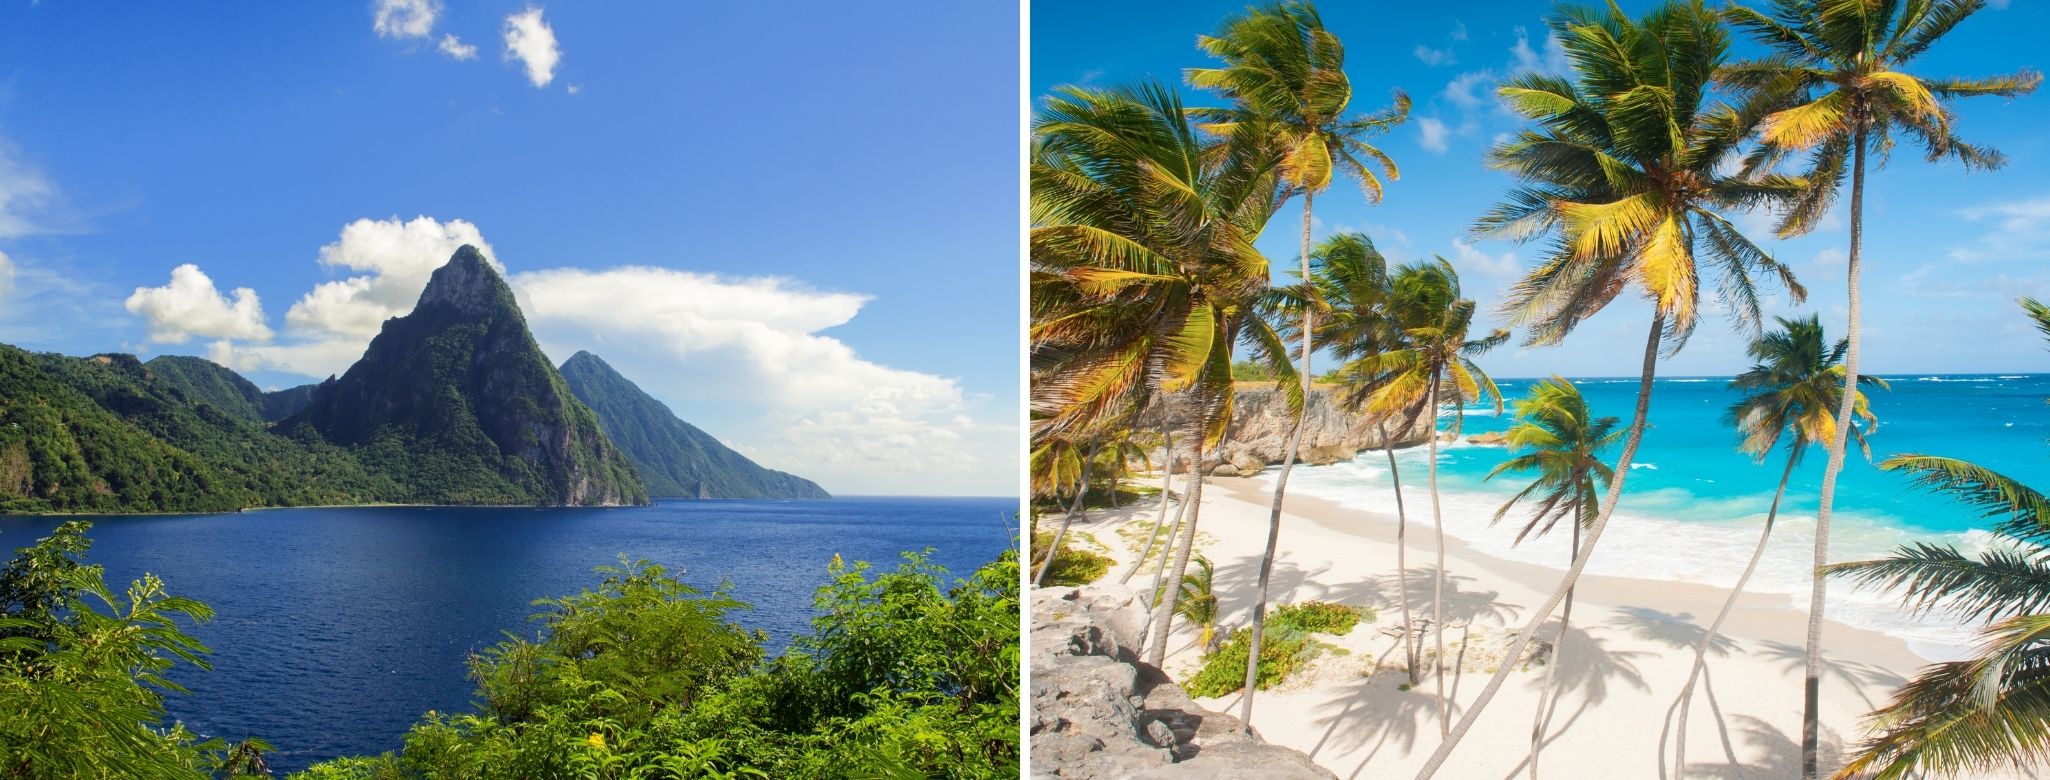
point(457, 403)
point(1099, 712)
point(1258, 433)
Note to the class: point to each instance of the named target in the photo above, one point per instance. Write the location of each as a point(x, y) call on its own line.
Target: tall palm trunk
point(1166, 481)
point(1730, 603)
point(1401, 552)
point(1295, 441)
point(1537, 727)
point(1054, 550)
point(1166, 551)
point(1163, 613)
point(1594, 537)
point(1438, 576)
point(1811, 684)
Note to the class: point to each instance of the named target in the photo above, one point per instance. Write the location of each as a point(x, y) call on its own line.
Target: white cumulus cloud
point(456, 49)
point(405, 18)
point(190, 306)
point(529, 39)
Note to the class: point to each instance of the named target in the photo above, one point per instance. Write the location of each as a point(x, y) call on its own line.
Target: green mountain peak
point(674, 458)
point(456, 401)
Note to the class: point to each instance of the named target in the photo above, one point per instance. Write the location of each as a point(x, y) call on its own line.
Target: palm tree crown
point(1626, 167)
point(1561, 442)
point(1837, 74)
point(1143, 267)
point(1283, 70)
point(1795, 386)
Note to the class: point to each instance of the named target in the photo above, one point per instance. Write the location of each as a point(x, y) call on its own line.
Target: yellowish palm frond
point(1604, 229)
point(1666, 266)
point(1805, 125)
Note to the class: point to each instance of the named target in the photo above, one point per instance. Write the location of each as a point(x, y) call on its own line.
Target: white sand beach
point(1624, 661)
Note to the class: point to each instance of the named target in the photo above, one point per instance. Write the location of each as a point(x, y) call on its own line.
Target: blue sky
point(798, 228)
point(1946, 252)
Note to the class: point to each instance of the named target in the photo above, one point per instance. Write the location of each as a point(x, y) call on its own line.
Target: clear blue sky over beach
point(796, 226)
point(1946, 252)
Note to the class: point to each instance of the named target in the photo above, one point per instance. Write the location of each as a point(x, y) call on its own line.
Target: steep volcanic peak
point(457, 403)
point(468, 283)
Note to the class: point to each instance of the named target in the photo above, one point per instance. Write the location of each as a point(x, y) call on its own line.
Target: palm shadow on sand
point(1859, 675)
point(1776, 755)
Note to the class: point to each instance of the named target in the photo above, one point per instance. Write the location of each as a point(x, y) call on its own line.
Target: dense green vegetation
point(106, 434)
point(673, 457)
point(643, 676)
point(456, 403)
point(82, 673)
point(203, 381)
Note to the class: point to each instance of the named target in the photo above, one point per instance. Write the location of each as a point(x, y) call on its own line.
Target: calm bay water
point(1693, 505)
point(336, 628)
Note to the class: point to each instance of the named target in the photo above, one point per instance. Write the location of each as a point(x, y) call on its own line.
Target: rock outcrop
point(1099, 712)
point(1258, 433)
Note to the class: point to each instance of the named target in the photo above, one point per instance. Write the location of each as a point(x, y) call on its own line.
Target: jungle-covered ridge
point(452, 404)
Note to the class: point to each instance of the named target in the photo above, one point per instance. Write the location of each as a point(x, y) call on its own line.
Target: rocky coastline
point(1098, 712)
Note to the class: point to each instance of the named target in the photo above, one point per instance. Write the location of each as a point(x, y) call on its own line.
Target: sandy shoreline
point(1624, 661)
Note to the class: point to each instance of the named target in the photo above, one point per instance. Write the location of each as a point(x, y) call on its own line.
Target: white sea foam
point(1642, 539)
point(1649, 466)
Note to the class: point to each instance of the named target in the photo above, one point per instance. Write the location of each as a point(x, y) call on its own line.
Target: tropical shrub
point(1071, 565)
point(83, 672)
point(1283, 650)
point(1321, 617)
point(645, 677)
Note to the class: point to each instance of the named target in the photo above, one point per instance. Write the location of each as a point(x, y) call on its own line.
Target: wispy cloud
point(2020, 231)
point(456, 49)
point(404, 18)
point(26, 194)
point(1433, 134)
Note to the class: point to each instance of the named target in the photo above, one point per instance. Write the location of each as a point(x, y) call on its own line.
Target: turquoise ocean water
point(1693, 505)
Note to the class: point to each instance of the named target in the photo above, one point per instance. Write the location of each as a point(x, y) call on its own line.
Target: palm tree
point(1564, 442)
point(1792, 389)
point(1198, 604)
point(1061, 465)
point(1838, 77)
point(1431, 357)
point(1351, 277)
point(1626, 172)
point(1991, 710)
point(1284, 71)
point(1143, 272)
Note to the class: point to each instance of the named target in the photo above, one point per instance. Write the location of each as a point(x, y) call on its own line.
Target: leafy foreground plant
point(1990, 711)
point(1287, 647)
point(83, 673)
point(645, 678)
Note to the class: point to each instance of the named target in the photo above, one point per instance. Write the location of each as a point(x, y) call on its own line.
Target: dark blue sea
point(336, 628)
